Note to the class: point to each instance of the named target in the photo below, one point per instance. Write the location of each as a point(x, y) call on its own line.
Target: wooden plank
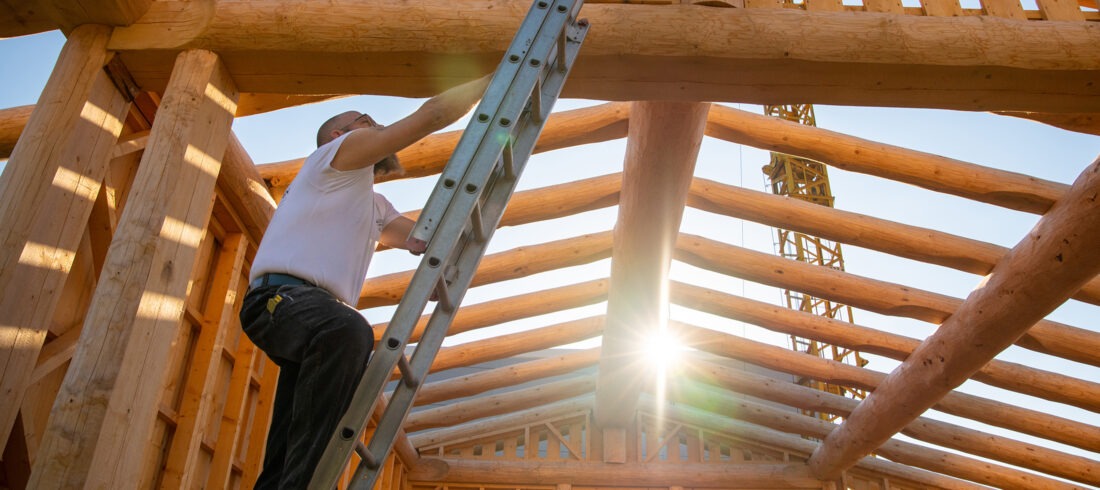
point(941, 8)
point(48, 188)
point(884, 6)
point(662, 146)
point(200, 387)
point(260, 419)
point(1054, 260)
point(1009, 9)
point(824, 5)
point(1060, 10)
point(244, 190)
point(100, 426)
point(757, 476)
point(640, 53)
point(233, 417)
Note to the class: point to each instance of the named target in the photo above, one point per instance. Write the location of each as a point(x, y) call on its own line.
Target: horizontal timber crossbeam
point(638, 52)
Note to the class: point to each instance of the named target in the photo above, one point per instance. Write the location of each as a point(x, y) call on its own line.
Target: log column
point(1039, 274)
point(101, 422)
point(662, 146)
point(49, 189)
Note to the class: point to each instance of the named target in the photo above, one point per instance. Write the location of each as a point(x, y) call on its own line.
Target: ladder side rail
point(372, 383)
point(495, 201)
point(474, 134)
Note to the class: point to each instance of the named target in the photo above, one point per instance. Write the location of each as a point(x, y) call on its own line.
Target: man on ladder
point(310, 268)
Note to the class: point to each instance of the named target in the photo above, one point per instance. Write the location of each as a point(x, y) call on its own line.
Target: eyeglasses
point(363, 118)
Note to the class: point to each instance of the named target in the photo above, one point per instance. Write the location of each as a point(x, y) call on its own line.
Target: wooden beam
point(22, 18)
point(428, 156)
point(1048, 337)
point(69, 13)
point(504, 310)
point(638, 52)
point(245, 191)
point(971, 441)
point(12, 122)
point(583, 473)
point(101, 422)
point(494, 405)
point(514, 344)
point(911, 242)
point(502, 266)
point(798, 444)
point(519, 418)
point(48, 190)
point(835, 332)
point(502, 377)
point(1048, 265)
point(662, 146)
point(1088, 123)
point(921, 456)
point(941, 174)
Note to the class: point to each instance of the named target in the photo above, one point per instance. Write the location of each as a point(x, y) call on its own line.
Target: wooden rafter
point(1048, 265)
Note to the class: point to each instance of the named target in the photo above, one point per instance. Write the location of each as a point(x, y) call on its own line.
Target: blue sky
point(984, 139)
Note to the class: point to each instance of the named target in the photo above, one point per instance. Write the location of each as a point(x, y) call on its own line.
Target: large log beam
point(1048, 337)
point(965, 405)
point(967, 440)
point(941, 174)
point(510, 264)
point(1053, 261)
point(494, 405)
point(482, 428)
point(428, 156)
point(911, 242)
point(502, 377)
point(662, 146)
point(638, 52)
point(921, 456)
point(514, 344)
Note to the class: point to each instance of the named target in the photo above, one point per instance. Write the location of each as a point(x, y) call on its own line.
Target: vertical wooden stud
point(48, 189)
point(100, 424)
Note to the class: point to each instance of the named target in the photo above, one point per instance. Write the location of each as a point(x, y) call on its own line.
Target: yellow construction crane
point(808, 180)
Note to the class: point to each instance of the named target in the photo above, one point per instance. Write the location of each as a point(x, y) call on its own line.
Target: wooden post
point(104, 413)
point(663, 142)
point(1053, 261)
point(48, 191)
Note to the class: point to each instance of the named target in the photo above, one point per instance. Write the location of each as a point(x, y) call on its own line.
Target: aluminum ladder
point(457, 221)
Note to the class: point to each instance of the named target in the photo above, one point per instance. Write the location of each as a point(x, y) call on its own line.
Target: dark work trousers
point(321, 346)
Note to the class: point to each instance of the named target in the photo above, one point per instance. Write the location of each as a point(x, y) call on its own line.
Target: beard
point(389, 166)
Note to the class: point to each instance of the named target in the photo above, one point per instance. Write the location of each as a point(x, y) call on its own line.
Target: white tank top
point(326, 226)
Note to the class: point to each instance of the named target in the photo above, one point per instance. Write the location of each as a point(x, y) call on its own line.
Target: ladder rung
point(509, 161)
point(478, 224)
point(443, 295)
point(364, 454)
point(407, 374)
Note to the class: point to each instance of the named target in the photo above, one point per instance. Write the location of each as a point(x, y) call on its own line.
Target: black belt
point(277, 280)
